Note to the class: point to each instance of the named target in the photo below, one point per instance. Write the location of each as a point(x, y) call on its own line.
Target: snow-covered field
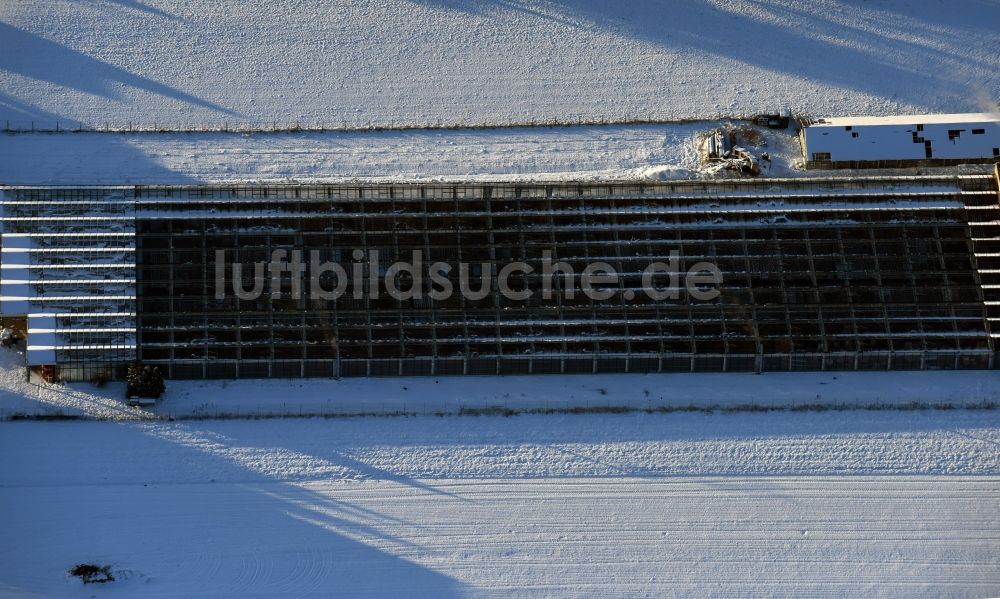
point(391, 62)
point(828, 504)
point(182, 64)
point(782, 503)
point(578, 153)
point(789, 503)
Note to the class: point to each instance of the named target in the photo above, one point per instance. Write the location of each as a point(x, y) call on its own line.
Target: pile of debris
point(722, 150)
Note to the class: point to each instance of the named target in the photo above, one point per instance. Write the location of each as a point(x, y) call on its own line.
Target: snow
point(933, 119)
point(571, 153)
point(197, 63)
point(844, 502)
point(577, 153)
point(457, 394)
point(848, 502)
point(896, 138)
point(829, 504)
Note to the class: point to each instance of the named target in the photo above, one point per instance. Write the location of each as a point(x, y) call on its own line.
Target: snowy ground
point(790, 503)
point(838, 503)
point(578, 153)
point(829, 504)
point(336, 62)
point(455, 395)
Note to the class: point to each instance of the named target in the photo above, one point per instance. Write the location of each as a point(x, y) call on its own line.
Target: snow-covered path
point(833, 504)
point(578, 153)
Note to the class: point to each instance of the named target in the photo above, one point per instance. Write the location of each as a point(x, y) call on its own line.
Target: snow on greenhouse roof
point(911, 119)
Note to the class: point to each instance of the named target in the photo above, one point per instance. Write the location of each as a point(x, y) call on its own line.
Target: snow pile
point(197, 63)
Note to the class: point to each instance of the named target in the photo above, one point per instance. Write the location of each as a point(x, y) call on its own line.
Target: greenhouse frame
point(869, 273)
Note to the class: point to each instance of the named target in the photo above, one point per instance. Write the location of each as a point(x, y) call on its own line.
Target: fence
point(345, 125)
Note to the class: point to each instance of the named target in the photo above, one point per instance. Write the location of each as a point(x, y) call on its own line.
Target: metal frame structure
point(817, 274)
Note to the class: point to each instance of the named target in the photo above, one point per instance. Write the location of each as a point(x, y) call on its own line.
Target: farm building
point(814, 274)
point(940, 139)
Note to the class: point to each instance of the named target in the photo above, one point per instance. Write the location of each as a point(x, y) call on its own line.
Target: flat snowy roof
point(923, 119)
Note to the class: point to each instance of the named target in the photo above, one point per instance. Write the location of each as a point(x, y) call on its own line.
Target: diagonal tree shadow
point(143, 7)
point(32, 159)
point(331, 461)
point(227, 526)
point(882, 50)
point(30, 55)
point(22, 112)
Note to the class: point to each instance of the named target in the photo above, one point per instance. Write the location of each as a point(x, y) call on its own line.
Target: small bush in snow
point(144, 381)
point(92, 573)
